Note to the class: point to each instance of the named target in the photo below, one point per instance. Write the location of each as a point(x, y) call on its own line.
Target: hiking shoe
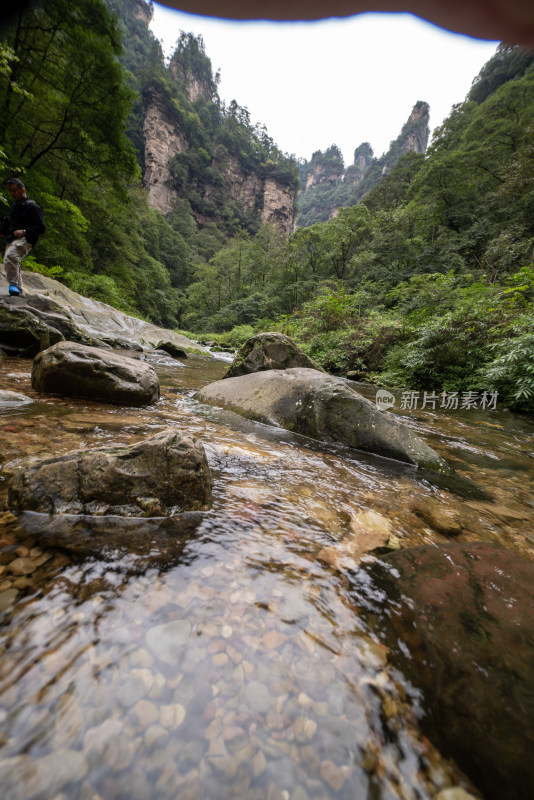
point(14, 290)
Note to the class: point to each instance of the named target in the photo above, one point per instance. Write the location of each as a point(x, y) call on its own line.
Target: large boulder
point(323, 407)
point(269, 351)
point(459, 620)
point(24, 334)
point(171, 349)
point(76, 316)
point(76, 370)
point(50, 313)
point(161, 476)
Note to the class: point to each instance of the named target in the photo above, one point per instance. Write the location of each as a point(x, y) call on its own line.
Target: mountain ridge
point(328, 186)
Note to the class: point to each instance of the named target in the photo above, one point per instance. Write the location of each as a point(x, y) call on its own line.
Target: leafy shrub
point(325, 348)
point(238, 335)
point(329, 310)
point(511, 372)
point(98, 287)
point(445, 352)
point(32, 265)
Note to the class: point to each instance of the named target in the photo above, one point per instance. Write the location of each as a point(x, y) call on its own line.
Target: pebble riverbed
point(242, 669)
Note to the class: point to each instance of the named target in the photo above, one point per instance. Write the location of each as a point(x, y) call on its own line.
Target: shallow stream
point(241, 668)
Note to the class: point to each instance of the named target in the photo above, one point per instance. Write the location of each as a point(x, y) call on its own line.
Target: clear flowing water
point(241, 668)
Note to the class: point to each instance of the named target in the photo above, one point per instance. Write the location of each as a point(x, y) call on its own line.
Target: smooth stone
point(156, 736)
point(304, 729)
point(167, 641)
point(145, 713)
point(444, 520)
point(172, 716)
point(33, 777)
point(325, 408)
point(258, 697)
point(77, 370)
point(132, 690)
point(12, 399)
point(7, 598)
point(171, 349)
point(97, 738)
point(118, 753)
point(333, 775)
point(141, 658)
point(25, 566)
point(459, 621)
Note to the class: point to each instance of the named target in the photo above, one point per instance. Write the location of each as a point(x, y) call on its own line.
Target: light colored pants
point(15, 252)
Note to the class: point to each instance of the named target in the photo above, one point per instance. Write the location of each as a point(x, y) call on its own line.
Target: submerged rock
point(459, 620)
point(151, 540)
point(160, 476)
point(269, 351)
point(323, 407)
point(27, 776)
point(77, 370)
point(12, 399)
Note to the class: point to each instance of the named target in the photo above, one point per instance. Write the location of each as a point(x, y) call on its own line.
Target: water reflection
point(235, 664)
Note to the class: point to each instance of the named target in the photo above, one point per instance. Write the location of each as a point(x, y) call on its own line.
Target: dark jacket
point(24, 216)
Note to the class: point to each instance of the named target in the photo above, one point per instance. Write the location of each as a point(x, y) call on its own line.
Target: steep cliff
point(327, 185)
point(163, 139)
point(142, 11)
point(195, 153)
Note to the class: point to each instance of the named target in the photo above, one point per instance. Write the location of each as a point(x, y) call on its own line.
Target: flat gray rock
point(323, 407)
point(77, 316)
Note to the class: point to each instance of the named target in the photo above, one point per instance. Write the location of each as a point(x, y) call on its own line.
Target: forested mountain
point(328, 186)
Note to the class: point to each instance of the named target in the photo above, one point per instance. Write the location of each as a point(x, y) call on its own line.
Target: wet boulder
point(323, 407)
point(159, 476)
point(459, 621)
point(76, 370)
point(50, 313)
point(171, 349)
point(269, 351)
point(24, 334)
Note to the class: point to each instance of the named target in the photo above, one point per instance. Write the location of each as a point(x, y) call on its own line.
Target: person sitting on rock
point(21, 230)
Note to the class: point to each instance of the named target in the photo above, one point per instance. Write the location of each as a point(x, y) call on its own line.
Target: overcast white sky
point(335, 81)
